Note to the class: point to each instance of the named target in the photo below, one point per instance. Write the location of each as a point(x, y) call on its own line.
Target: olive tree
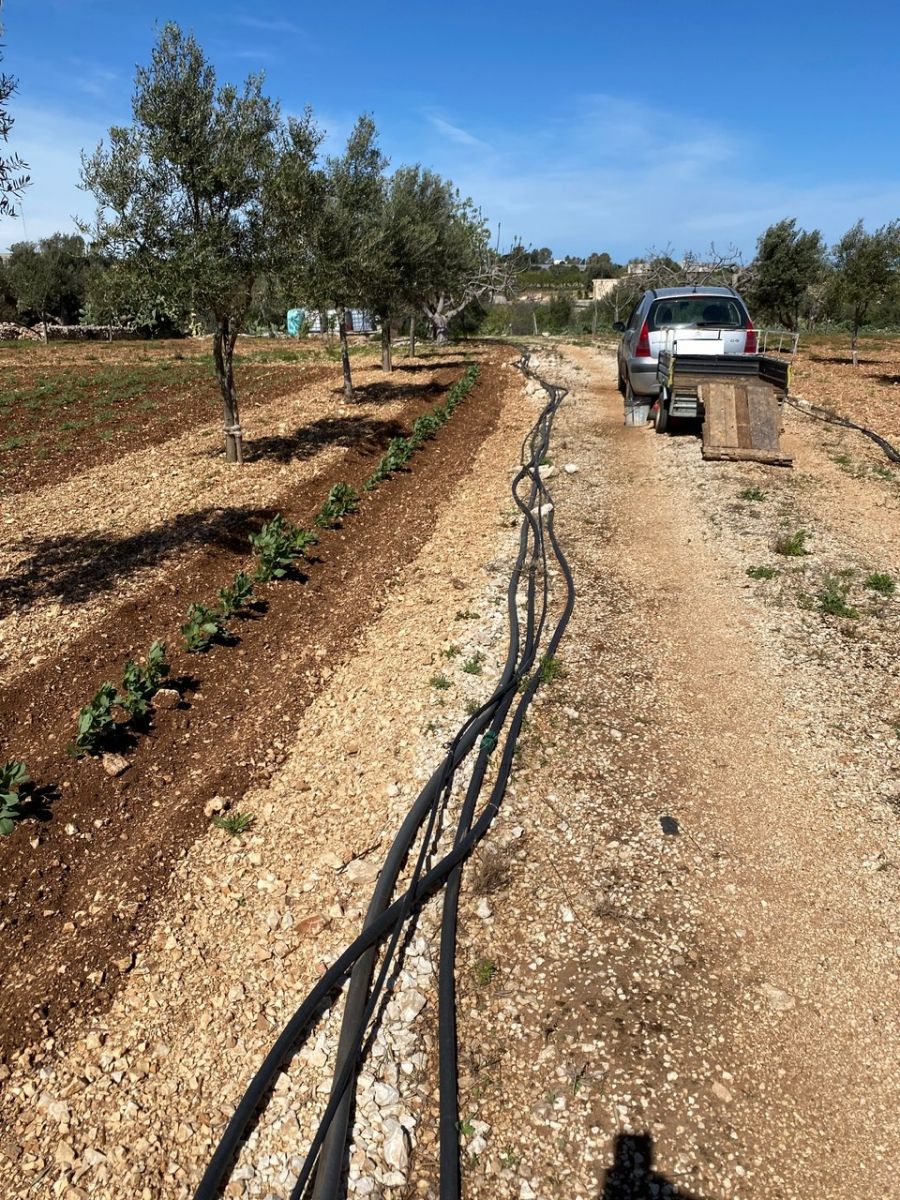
point(864, 272)
point(789, 261)
point(461, 266)
point(192, 196)
point(13, 179)
point(338, 263)
point(49, 279)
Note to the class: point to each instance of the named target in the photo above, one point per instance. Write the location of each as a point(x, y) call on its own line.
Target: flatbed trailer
point(739, 398)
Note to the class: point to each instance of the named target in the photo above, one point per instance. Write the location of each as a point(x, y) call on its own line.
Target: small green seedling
point(425, 427)
point(752, 493)
point(792, 545)
point(882, 583)
point(236, 595)
point(95, 721)
point(342, 499)
point(12, 775)
point(203, 627)
point(235, 823)
point(762, 572)
point(440, 681)
point(140, 683)
point(466, 1128)
point(465, 614)
point(472, 666)
point(276, 546)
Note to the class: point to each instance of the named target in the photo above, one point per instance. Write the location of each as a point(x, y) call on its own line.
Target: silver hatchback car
point(687, 320)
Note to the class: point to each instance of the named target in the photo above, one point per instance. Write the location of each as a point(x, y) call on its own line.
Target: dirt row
point(81, 880)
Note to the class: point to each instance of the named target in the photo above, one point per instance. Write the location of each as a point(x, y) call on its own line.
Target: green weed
point(472, 666)
point(235, 823)
point(551, 669)
point(752, 493)
point(882, 583)
point(484, 971)
point(831, 599)
point(762, 572)
point(792, 545)
point(440, 681)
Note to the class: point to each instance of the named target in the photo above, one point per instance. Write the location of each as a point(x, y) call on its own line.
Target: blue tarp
point(295, 319)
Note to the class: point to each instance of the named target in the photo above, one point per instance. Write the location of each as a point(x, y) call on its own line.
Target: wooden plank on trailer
point(720, 423)
point(765, 416)
point(742, 416)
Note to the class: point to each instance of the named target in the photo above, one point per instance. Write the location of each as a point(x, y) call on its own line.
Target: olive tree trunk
point(412, 335)
point(223, 357)
point(387, 362)
point(345, 355)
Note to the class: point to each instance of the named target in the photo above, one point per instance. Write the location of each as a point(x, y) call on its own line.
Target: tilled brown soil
point(80, 887)
point(65, 407)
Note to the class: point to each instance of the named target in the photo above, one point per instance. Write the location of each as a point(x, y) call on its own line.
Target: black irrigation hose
point(824, 414)
point(387, 919)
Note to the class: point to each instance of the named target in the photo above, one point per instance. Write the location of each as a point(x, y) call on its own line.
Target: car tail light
point(642, 350)
point(750, 345)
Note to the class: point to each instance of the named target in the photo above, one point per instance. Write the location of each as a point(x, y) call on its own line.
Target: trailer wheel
point(662, 414)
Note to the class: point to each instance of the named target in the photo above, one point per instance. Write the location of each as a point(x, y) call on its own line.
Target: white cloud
point(612, 174)
point(455, 133)
point(269, 26)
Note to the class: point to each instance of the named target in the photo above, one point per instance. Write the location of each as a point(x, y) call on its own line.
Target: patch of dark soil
point(80, 889)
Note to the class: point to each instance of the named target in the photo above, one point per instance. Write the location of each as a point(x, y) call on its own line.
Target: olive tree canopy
point(196, 194)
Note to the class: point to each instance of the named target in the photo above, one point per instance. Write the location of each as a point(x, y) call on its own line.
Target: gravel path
point(696, 953)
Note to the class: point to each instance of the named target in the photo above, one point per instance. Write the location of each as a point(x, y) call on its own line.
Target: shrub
point(202, 628)
point(139, 683)
point(12, 775)
point(234, 597)
point(276, 546)
point(95, 721)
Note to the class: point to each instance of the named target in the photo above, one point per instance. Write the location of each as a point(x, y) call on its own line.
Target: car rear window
point(711, 312)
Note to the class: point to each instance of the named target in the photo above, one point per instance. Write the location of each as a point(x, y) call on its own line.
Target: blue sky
point(583, 127)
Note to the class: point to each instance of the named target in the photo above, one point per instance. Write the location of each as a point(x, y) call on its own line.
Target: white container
point(637, 413)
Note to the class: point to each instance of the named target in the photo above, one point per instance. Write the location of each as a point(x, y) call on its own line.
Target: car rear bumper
point(642, 374)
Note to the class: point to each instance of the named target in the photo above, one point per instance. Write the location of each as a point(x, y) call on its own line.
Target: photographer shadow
point(632, 1177)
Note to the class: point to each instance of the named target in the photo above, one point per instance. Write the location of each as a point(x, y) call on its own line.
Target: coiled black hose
point(825, 414)
point(386, 919)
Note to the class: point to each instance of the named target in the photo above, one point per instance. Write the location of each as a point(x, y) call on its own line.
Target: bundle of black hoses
point(825, 414)
point(389, 921)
